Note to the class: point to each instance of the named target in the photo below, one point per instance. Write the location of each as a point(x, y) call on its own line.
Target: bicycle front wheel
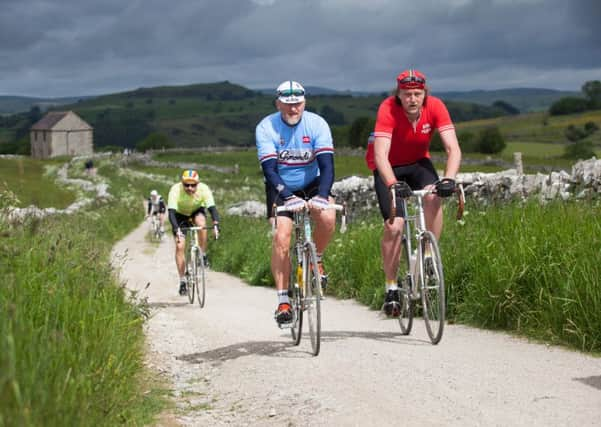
point(191, 274)
point(433, 291)
point(201, 279)
point(406, 284)
point(312, 304)
point(296, 294)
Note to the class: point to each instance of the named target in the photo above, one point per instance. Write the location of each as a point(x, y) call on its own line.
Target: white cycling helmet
point(154, 193)
point(290, 92)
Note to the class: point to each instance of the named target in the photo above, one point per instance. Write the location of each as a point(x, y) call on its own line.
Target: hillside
point(526, 99)
point(19, 104)
point(218, 113)
point(224, 113)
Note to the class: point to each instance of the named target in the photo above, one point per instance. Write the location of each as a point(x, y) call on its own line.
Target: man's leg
point(280, 267)
point(180, 262)
point(433, 214)
point(201, 221)
point(325, 224)
point(391, 248)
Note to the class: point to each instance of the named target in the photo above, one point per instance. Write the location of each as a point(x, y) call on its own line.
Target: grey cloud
point(82, 46)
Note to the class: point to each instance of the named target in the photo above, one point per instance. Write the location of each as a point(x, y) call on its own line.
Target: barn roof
point(49, 120)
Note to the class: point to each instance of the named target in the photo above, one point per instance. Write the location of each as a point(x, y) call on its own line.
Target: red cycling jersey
point(408, 143)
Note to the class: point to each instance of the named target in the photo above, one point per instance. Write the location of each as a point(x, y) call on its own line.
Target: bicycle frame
point(305, 285)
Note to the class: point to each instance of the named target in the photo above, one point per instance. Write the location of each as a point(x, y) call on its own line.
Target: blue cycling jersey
point(294, 147)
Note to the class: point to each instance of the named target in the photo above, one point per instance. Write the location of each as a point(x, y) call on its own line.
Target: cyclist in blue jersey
point(296, 153)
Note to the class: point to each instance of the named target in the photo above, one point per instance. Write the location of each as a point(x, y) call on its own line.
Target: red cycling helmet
point(411, 79)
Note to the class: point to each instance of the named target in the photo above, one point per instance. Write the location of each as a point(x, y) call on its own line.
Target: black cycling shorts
point(184, 221)
point(272, 196)
point(417, 175)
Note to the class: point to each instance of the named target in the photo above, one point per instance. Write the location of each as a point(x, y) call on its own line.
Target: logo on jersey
point(306, 140)
point(297, 157)
point(426, 128)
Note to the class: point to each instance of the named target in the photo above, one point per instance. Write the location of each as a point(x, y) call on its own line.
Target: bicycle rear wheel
point(295, 291)
point(201, 279)
point(190, 273)
point(433, 290)
point(405, 283)
point(312, 300)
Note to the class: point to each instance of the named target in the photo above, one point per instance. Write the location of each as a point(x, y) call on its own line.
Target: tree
point(360, 130)
point(573, 133)
point(507, 107)
point(491, 141)
point(155, 141)
point(568, 105)
point(579, 150)
point(333, 117)
point(592, 92)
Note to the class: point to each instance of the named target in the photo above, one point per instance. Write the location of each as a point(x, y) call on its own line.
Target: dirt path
point(230, 365)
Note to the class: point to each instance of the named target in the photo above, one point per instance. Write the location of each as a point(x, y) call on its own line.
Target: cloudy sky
point(52, 48)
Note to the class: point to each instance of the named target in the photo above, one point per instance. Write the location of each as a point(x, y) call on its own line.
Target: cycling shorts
point(187, 221)
point(416, 175)
point(272, 197)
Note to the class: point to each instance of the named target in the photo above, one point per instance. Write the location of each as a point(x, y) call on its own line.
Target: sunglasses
point(190, 185)
point(412, 79)
point(291, 92)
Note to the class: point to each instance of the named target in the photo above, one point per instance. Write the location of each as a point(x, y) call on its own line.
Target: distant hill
point(525, 99)
point(224, 113)
point(19, 104)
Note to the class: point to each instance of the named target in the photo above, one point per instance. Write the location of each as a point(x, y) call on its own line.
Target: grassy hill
point(224, 113)
point(525, 99)
point(217, 113)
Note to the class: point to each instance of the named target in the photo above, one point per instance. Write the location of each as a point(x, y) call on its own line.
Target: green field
point(30, 181)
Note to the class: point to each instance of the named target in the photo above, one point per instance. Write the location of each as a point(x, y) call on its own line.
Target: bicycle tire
point(295, 291)
point(433, 288)
point(201, 280)
point(312, 301)
point(406, 282)
point(190, 274)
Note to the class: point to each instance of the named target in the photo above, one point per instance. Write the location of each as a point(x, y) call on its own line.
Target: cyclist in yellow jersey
point(187, 204)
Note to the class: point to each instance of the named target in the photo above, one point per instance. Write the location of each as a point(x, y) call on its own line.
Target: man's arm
point(381, 151)
point(173, 219)
point(451, 146)
point(270, 171)
point(326, 173)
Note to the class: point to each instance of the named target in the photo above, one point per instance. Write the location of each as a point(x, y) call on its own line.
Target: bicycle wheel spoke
point(313, 297)
point(433, 290)
point(295, 288)
point(190, 276)
point(200, 280)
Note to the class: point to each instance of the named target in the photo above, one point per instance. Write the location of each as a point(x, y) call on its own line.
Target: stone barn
point(61, 133)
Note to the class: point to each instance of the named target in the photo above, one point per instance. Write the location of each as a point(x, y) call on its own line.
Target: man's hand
point(319, 202)
point(445, 187)
point(401, 189)
point(294, 204)
point(216, 230)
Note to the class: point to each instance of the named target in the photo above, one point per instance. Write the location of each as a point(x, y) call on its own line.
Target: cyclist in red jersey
point(400, 152)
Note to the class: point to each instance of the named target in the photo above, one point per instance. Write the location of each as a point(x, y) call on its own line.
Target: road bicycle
point(305, 284)
point(420, 275)
point(155, 228)
point(196, 275)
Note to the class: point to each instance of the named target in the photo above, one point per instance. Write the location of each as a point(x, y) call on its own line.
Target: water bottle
point(413, 264)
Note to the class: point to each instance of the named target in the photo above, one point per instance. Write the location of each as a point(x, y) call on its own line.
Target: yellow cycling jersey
point(185, 204)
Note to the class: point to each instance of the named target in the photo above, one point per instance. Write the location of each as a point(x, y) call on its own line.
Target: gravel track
point(229, 364)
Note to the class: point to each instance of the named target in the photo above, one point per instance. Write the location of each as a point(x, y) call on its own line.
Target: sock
point(182, 279)
point(283, 297)
point(318, 257)
point(391, 285)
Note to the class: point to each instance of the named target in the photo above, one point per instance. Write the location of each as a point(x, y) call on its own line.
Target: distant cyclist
point(401, 152)
point(188, 203)
point(156, 206)
point(296, 153)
